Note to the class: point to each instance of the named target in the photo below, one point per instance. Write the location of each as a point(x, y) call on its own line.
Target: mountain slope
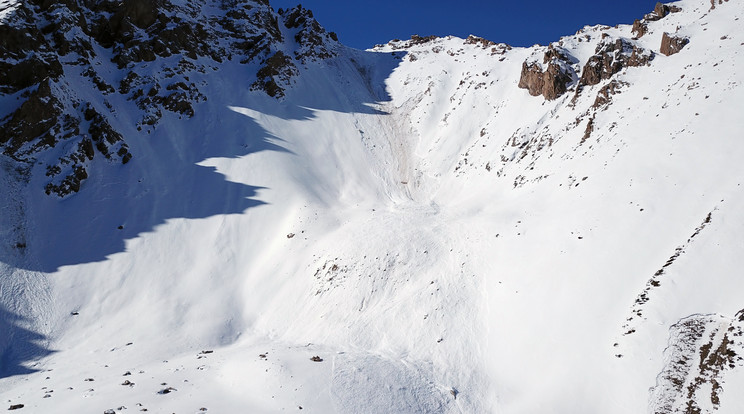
point(443, 240)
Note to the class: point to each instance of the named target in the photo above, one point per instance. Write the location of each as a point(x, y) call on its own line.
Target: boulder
point(672, 44)
point(550, 83)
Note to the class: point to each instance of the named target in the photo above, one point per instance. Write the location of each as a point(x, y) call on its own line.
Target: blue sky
point(363, 23)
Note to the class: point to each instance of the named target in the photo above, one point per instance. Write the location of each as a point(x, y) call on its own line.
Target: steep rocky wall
point(550, 81)
point(46, 44)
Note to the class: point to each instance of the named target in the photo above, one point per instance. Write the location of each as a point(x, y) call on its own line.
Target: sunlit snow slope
point(442, 240)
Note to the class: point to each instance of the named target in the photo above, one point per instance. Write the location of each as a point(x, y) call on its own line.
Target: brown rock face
point(604, 96)
point(611, 58)
point(713, 3)
point(552, 82)
point(531, 78)
point(661, 10)
point(639, 28)
point(672, 44)
point(555, 80)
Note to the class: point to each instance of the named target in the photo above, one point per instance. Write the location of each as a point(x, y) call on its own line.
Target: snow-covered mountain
point(215, 206)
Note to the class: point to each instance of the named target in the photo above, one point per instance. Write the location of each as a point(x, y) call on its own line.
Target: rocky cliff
point(64, 66)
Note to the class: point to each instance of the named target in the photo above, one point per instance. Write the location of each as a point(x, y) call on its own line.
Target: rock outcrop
point(549, 78)
point(604, 96)
point(660, 11)
point(611, 56)
point(713, 3)
point(672, 44)
point(277, 70)
point(640, 27)
point(148, 43)
point(702, 350)
point(34, 124)
point(312, 38)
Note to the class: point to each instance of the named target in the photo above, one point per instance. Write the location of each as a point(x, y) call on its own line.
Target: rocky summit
point(216, 206)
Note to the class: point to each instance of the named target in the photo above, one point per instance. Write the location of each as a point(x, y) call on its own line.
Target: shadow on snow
point(164, 181)
point(18, 345)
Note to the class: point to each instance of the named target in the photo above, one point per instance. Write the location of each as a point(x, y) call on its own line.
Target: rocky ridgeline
point(435, 43)
point(57, 59)
point(553, 77)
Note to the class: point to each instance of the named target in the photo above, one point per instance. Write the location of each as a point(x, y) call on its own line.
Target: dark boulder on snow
point(549, 81)
point(672, 44)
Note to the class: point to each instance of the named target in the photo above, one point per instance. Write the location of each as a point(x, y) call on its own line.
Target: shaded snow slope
point(441, 240)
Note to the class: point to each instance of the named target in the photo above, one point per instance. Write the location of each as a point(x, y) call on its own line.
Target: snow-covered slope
point(440, 239)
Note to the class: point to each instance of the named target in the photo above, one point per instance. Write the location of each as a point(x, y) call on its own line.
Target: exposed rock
point(107, 140)
point(604, 96)
point(531, 78)
point(35, 122)
point(38, 33)
point(552, 81)
point(417, 40)
point(640, 28)
point(140, 13)
point(313, 41)
point(397, 44)
point(277, 71)
point(28, 72)
point(167, 390)
point(475, 40)
point(68, 174)
point(25, 57)
point(70, 184)
point(296, 17)
point(660, 11)
point(702, 348)
point(610, 58)
point(588, 130)
point(672, 44)
point(713, 3)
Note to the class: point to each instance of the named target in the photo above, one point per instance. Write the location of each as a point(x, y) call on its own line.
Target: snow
point(425, 281)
